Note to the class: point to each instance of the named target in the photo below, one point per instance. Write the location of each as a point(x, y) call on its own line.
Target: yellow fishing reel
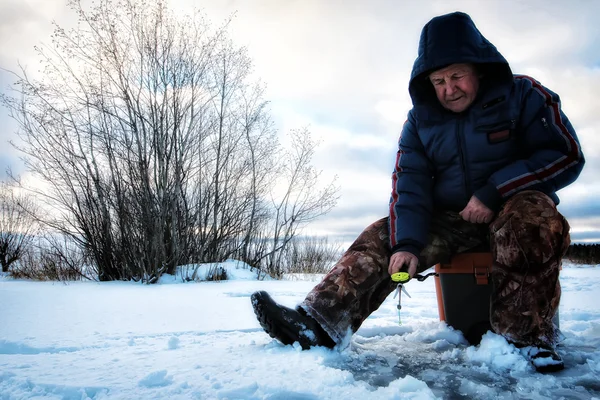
point(401, 277)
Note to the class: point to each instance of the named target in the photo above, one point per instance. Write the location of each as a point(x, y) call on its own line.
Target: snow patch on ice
point(173, 343)
point(156, 379)
point(496, 352)
point(288, 395)
point(378, 331)
point(245, 392)
point(406, 388)
point(7, 347)
point(441, 345)
point(13, 387)
point(5, 375)
point(476, 390)
point(223, 352)
point(235, 270)
point(434, 331)
point(594, 365)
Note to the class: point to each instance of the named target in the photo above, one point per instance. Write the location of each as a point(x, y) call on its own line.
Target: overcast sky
point(342, 67)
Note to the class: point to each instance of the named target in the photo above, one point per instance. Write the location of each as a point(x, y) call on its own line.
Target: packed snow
point(200, 340)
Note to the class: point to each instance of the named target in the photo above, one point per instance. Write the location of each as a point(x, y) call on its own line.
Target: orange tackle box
point(463, 293)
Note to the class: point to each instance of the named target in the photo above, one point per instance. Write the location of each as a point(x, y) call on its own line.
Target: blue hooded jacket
point(513, 137)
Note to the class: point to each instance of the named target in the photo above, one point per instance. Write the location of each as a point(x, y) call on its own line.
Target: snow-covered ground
point(201, 341)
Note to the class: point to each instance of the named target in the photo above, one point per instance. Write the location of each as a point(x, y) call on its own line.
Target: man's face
point(456, 86)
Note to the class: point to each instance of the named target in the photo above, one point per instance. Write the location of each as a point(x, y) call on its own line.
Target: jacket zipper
point(461, 152)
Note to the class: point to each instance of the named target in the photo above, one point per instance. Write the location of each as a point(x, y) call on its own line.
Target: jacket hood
point(452, 39)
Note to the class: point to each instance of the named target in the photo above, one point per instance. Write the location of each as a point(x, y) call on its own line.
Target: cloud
point(342, 69)
point(548, 40)
point(24, 24)
point(585, 236)
point(585, 210)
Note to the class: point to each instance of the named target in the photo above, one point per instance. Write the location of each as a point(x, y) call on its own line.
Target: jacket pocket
point(498, 137)
point(498, 132)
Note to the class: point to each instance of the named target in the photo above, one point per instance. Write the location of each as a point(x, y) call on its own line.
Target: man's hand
point(403, 258)
point(477, 212)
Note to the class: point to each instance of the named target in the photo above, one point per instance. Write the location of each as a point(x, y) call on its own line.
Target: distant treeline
point(584, 253)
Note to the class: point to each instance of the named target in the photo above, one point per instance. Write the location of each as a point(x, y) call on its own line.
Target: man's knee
point(527, 202)
point(529, 229)
point(374, 238)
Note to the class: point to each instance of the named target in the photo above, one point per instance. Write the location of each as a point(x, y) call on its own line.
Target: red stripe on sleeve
point(557, 166)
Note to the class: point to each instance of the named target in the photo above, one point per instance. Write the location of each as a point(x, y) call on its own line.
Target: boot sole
point(556, 365)
point(288, 325)
point(270, 327)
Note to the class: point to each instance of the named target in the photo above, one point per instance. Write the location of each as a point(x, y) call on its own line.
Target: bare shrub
point(54, 258)
point(310, 255)
point(216, 273)
point(156, 146)
point(139, 126)
point(18, 226)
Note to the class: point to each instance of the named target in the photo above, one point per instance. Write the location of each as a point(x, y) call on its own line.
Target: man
point(480, 159)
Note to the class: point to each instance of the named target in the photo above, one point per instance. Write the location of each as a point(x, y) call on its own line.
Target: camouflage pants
point(527, 239)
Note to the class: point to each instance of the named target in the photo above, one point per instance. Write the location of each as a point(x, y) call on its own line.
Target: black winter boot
point(544, 359)
point(288, 325)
